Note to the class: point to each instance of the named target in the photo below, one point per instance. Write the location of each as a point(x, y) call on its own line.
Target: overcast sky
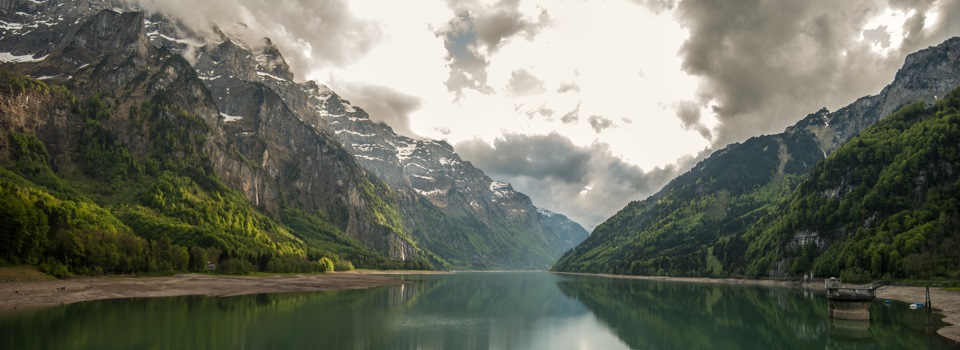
point(587, 105)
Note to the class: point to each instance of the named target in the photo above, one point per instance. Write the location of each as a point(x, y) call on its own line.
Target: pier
point(850, 302)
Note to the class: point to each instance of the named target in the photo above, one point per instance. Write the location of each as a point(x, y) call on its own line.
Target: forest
point(104, 206)
point(882, 206)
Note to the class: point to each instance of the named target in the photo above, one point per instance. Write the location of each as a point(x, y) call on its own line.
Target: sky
point(588, 105)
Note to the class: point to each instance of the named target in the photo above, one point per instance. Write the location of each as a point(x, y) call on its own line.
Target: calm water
point(510, 310)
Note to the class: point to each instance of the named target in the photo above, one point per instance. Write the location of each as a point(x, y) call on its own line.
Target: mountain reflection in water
point(484, 310)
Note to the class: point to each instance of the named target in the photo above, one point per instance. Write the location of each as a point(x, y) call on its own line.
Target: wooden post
point(926, 302)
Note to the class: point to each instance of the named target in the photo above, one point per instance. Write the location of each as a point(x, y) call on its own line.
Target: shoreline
point(943, 302)
point(37, 294)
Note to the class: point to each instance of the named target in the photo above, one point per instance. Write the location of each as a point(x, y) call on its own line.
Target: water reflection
point(657, 314)
point(473, 311)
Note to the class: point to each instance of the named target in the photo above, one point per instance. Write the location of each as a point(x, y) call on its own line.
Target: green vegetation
point(885, 204)
point(474, 244)
point(693, 226)
point(136, 192)
point(22, 274)
point(882, 206)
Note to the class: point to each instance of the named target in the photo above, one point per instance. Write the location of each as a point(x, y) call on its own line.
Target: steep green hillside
point(697, 224)
point(883, 205)
point(83, 201)
point(674, 231)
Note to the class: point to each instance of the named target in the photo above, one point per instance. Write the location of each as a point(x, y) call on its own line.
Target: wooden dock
point(850, 301)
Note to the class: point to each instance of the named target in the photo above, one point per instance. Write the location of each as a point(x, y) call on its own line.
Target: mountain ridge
point(272, 140)
point(676, 231)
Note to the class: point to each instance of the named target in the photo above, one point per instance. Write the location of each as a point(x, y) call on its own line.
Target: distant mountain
point(696, 225)
point(447, 204)
point(225, 122)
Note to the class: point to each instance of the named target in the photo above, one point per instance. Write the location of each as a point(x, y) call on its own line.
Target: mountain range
point(748, 209)
point(202, 149)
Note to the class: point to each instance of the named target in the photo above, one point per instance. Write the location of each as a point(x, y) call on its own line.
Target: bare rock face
point(285, 145)
point(421, 172)
point(926, 75)
point(274, 158)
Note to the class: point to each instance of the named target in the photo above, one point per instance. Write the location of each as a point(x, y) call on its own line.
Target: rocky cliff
point(290, 148)
point(284, 167)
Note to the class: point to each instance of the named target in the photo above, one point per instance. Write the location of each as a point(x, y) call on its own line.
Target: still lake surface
point(484, 310)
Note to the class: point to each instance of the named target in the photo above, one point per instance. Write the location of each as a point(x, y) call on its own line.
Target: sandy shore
point(944, 302)
point(18, 295)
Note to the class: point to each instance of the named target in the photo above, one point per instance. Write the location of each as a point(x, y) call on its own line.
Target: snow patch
point(422, 177)
point(448, 161)
point(500, 189)
point(545, 212)
point(431, 192)
point(404, 152)
point(230, 118)
point(10, 25)
point(368, 157)
point(9, 57)
point(354, 133)
point(268, 75)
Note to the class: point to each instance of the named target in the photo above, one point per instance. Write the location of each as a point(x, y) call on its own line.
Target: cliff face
point(425, 175)
point(926, 75)
point(275, 159)
point(695, 224)
point(290, 148)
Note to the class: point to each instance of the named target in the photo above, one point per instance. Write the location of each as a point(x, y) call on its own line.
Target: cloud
point(586, 183)
point(689, 114)
point(656, 6)
point(477, 31)
point(523, 83)
point(384, 105)
point(878, 35)
point(599, 123)
point(543, 111)
point(572, 116)
point(468, 66)
point(568, 87)
point(309, 33)
point(766, 64)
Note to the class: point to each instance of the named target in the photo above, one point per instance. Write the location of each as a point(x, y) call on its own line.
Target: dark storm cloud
point(384, 105)
point(689, 114)
point(599, 123)
point(523, 83)
point(587, 183)
point(572, 116)
point(765, 64)
point(477, 30)
point(308, 33)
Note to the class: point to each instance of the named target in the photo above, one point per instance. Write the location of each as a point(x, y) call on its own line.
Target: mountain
point(210, 144)
point(133, 131)
point(695, 225)
point(883, 205)
point(449, 206)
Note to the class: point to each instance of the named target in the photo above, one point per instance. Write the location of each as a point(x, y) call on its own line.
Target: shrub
point(327, 264)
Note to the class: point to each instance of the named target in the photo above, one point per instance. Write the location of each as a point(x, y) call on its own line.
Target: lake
point(482, 310)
